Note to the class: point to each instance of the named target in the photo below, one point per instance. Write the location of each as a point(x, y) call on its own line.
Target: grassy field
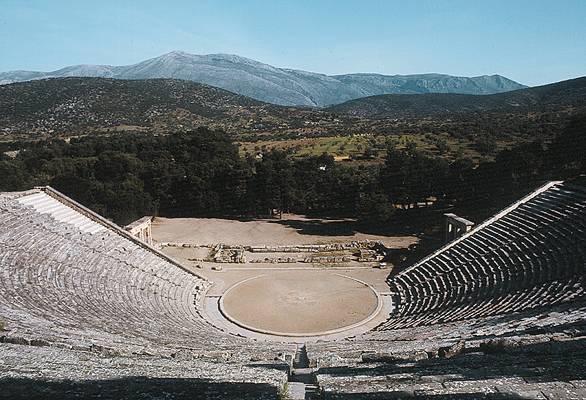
point(370, 147)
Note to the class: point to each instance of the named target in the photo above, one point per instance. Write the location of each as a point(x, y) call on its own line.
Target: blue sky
point(533, 42)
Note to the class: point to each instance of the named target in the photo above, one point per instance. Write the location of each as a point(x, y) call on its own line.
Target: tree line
point(201, 173)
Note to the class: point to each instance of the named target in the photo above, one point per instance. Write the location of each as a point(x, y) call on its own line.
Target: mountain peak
point(175, 54)
point(282, 86)
point(179, 53)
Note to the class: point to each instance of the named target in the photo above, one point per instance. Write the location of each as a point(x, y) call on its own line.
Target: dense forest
point(200, 173)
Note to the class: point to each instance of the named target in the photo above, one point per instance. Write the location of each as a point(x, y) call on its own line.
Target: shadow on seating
point(540, 362)
point(402, 395)
point(133, 388)
point(406, 395)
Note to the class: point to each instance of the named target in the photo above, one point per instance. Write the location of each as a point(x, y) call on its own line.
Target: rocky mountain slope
point(78, 106)
point(64, 107)
point(275, 85)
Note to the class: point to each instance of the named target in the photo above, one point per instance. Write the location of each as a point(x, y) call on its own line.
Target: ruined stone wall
point(142, 229)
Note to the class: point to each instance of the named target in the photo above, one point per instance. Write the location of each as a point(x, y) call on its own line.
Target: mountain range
point(565, 95)
point(61, 107)
point(276, 85)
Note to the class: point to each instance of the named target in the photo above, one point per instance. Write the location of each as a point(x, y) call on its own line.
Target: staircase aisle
point(303, 383)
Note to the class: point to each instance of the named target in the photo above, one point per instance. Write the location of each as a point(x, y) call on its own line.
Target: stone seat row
point(63, 284)
point(539, 244)
point(486, 276)
point(547, 294)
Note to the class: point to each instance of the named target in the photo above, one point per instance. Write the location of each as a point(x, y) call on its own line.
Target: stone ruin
point(361, 251)
point(367, 255)
point(141, 228)
point(316, 248)
point(224, 254)
point(274, 260)
point(456, 226)
point(327, 259)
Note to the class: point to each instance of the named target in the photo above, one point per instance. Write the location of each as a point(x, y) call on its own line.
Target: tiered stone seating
point(471, 321)
point(89, 309)
point(79, 282)
point(520, 369)
point(528, 354)
point(33, 372)
point(532, 254)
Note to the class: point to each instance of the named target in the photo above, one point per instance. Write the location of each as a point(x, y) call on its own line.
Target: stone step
point(296, 391)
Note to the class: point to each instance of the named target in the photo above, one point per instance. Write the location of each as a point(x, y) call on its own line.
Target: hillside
point(563, 95)
point(275, 85)
point(375, 84)
point(64, 107)
point(76, 106)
